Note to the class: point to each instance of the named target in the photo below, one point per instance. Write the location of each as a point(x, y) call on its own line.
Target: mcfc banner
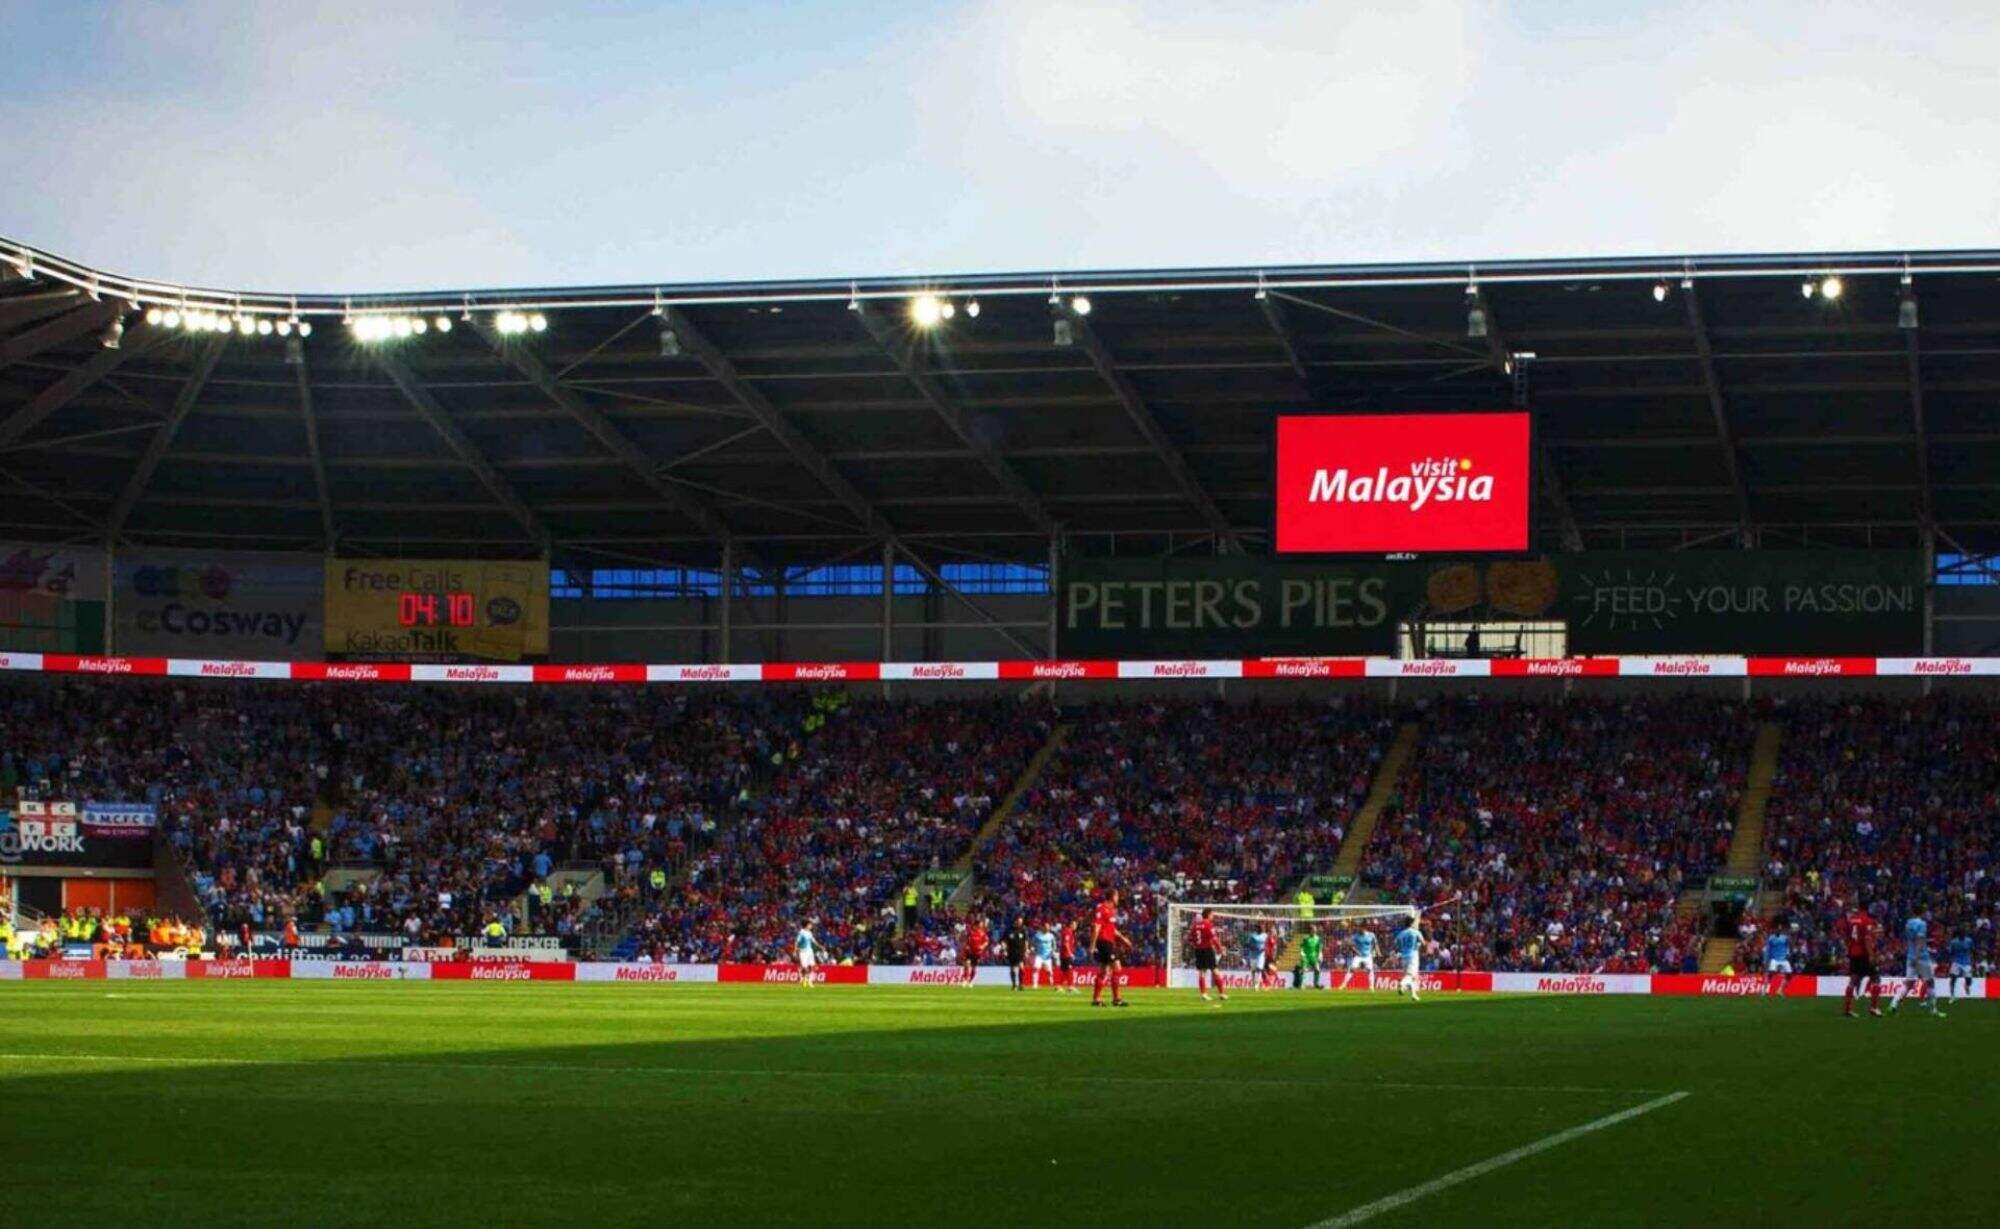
point(55, 834)
point(119, 821)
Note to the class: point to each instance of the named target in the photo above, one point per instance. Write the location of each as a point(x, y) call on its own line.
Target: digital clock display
point(435, 609)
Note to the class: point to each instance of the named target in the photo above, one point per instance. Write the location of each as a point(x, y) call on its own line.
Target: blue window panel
point(825, 580)
point(1955, 569)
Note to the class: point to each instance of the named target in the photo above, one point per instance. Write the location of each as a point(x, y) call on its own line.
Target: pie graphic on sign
point(1526, 588)
point(1452, 589)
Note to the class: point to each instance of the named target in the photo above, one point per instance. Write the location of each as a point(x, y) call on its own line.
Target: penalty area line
point(1389, 1203)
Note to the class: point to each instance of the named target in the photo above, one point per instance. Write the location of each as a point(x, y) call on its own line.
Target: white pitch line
point(782, 1073)
point(1389, 1203)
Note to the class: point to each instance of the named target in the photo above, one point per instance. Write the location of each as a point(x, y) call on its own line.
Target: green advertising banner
point(51, 599)
point(1613, 602)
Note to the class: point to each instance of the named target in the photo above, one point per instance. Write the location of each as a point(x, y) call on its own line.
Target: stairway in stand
point(1381, 792)
point(1022, 784)
point(1746, 843)
point(1746, 846)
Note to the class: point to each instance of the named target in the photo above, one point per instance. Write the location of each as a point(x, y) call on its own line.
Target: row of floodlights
point(195, 321)
point(1830, 288)
point(365, 326)
point(381, 326)
point(927, 311)
point(1827, 289)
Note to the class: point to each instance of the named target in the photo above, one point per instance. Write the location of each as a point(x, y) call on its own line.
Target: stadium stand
point(885, 790)
point(1562, 834)
point(1229, 802)
point(1890, 806)
point(1566, 830)
point(460, 801)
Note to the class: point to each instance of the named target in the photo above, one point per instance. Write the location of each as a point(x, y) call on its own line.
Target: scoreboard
point(457, 609)
point(436, 610)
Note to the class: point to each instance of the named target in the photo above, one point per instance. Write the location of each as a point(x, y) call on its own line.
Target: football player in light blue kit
point(807, 948)
point(1257, 941)
point(1363, 958)
point(1918, 972)
point(1777, 962)
point(1410, 948)
point(1043, 943)
point(1958, 965)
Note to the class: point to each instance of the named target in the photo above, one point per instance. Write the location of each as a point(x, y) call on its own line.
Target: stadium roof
point(809, 430)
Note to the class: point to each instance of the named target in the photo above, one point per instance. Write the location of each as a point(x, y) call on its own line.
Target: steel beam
point(81, 437)
point(51, 498)
point(1923, 436)
point(73, 383)
point(1149, 427)
point(66, 327)
point(156, 448)
point(1717, 406)
point(1546, 474)
point(614, 441)
point(320, 488)
point(1274, 315)
point(950, 590)
point(719, 367)
point(20, 309)
point(455, 438)
point(907, 360)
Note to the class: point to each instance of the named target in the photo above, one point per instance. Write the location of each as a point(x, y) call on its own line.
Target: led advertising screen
point(1389, 483)
point(437, 610)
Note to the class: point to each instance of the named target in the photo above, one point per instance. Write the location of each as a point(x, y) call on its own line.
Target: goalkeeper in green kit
point(1308, 959)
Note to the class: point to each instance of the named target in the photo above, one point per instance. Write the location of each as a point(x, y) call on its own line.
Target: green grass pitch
point(342, 1104)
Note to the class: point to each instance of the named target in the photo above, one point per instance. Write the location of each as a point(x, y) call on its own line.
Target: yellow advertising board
point(437, 609)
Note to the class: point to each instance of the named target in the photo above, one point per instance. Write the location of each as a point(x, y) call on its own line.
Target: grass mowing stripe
point(1389, 1203)
point(778, 1073)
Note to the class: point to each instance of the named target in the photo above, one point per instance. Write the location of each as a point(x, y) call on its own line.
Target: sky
point(357, 145)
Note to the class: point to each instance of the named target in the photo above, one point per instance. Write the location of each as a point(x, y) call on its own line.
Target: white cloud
point(367, 145)
point(1269, 99)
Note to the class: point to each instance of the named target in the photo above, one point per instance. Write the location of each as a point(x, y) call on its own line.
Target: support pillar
point(1927, 542)
point(728, 594)
point(888, 608)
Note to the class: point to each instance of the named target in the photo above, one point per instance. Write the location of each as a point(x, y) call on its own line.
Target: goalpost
point(1235, 922)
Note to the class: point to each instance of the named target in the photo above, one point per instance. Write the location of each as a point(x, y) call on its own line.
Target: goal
point(1235, 923)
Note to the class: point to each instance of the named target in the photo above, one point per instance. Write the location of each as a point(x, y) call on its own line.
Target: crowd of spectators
point(880, 793)
point(631, 782)
point(1552, 836)
point(1175, 799)
point(123, 933)
point(1892, 806)
point(461, 800)
point(1565, 831)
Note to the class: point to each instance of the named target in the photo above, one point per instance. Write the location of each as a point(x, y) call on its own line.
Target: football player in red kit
point(1105, 943)
point(975, 947)
point(1207, 955)
point(1859, 932)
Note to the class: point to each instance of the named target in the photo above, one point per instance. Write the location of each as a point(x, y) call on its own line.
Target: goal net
point(1338, 927)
